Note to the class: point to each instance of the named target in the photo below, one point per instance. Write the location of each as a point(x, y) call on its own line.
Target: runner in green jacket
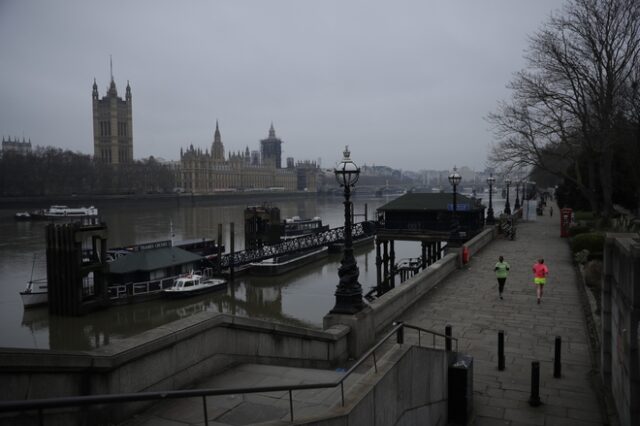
point(502, 270)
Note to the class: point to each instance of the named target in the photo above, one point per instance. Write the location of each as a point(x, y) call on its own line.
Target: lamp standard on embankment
point(490, 219)
point(454, 180)
point(507, 207)
point(349, 291)
point(516, 205)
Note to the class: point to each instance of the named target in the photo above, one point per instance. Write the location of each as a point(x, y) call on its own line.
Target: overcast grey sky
point(404, 83)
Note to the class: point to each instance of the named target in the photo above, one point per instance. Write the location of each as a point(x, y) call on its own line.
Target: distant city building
point(16, 146)
point(271, 149)
point(207, 171)
point(112, 126)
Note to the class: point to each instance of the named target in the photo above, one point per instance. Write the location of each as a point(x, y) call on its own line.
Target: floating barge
point(288, 262)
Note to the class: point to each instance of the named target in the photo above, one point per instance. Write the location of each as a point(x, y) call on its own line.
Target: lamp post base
point(490, 219)
point(348, 303)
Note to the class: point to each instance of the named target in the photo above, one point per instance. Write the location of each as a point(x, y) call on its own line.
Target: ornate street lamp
point(349, 291)
point(507, 207)
point(454, 180)
point(516, 206)
point(490, 180)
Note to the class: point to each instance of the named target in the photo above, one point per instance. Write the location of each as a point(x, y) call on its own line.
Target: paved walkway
point(468, 300)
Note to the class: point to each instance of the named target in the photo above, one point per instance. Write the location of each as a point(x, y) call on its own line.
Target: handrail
point(74, 401)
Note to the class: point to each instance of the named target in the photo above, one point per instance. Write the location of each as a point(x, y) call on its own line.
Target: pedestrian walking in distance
point(550, 211)
point(540, 272)
point(502, 270)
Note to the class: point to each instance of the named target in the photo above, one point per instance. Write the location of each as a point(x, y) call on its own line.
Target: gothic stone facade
point(204, 172)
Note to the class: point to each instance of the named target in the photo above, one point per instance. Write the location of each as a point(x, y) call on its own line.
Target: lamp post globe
point(349, 291)
point(490, 180)
point(507, 207)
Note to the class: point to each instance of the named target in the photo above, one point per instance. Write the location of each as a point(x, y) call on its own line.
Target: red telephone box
point(565, 221)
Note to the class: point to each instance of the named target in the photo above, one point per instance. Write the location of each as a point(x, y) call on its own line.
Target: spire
point(217, 148)
point(128, 93)
point(216, 135)
point(272, 132)
point(112, 86)
point(95, 89)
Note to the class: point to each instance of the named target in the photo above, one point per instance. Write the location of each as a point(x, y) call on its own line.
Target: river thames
point(301, 297)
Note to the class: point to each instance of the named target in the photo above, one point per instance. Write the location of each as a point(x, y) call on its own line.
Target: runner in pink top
point(540, 272)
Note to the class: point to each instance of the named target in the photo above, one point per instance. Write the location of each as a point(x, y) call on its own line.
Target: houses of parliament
point(200, 171)
point(211, 171)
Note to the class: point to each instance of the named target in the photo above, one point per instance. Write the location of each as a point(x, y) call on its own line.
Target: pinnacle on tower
point(216, 135)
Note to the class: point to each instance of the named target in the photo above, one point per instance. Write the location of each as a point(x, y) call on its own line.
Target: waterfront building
point(16, 146)
point(210, 171)
point(112, 126)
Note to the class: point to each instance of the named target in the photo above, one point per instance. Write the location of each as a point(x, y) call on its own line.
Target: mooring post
point(379, 289)
point(534, 399)
point(501, 350)
point(392, 261)
point(447, 332)
point(557, 362)
point(232, 238)
point(219, 259)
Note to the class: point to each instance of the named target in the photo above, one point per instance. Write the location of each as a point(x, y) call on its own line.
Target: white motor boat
point(194, 284)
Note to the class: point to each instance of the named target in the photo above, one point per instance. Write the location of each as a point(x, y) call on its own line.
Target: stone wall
point(620, 324)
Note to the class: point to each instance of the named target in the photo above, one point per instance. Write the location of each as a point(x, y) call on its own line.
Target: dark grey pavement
point(468, 300)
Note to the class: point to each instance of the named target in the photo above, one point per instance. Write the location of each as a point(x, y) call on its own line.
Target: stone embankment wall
point(621, 324)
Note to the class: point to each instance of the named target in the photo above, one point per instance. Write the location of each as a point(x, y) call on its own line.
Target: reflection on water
point(301, 297)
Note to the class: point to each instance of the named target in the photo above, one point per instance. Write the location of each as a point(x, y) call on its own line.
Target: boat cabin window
point(188, 284)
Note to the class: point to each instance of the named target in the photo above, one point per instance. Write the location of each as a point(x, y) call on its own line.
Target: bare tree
point(569, 97)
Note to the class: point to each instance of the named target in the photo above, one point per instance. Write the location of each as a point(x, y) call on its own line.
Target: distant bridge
point(332, 236)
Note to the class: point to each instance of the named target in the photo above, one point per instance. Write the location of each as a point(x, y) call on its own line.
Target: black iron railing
point(40, 405)
point(335, 235)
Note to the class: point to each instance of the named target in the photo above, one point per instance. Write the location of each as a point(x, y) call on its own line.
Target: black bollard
point(447, 332)
point(534, 399)
point(557, 362)
point(501, 350)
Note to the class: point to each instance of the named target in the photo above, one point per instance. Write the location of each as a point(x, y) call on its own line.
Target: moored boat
point(58, 212)
point(193, 284)
point(35, 293)
point(296, 227)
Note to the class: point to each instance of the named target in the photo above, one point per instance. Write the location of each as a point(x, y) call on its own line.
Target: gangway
point(332, 236)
